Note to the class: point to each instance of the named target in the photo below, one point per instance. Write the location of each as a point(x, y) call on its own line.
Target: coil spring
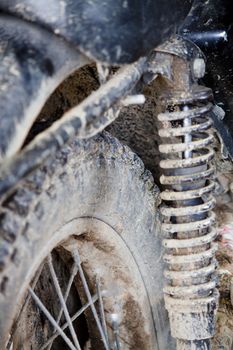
point(187, 214)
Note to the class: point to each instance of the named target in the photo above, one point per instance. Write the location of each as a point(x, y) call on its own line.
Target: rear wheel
point(80, 254)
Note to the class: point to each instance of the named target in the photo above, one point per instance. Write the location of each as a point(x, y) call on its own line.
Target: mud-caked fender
point(33, 62)
point(112, 31)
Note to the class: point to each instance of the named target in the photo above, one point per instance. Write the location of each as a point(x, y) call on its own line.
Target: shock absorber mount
point(187, 180)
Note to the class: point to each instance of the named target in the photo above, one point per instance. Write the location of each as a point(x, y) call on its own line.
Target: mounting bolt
point(199, 68)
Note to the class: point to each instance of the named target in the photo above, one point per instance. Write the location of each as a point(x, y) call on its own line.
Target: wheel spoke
point(101, 308)
point(115, 326)
point(14, 327)
point(63, 303)
point(74, 271)
point(73, 343)
point(76, 258)
point(51, 319)
point(73, 318)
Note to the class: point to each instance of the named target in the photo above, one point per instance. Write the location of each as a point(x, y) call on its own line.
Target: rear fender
point(33, 62)
point(112, 31)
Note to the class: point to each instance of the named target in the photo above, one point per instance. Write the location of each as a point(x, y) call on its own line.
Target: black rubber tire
point(97, 178)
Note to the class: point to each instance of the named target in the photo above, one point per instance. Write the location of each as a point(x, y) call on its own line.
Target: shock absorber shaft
point(190, 290)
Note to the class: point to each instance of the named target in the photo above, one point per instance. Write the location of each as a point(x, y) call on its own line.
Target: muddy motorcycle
point(95, 252)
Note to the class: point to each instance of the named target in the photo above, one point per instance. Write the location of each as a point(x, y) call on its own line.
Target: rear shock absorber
point(190, 292)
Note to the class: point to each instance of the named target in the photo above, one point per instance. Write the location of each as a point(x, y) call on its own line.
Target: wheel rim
point(105, 312)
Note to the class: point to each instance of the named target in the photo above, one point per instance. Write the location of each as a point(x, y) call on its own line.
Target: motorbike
point(116, 141)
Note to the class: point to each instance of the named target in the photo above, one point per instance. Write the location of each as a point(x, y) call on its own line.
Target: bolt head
point(199, 68)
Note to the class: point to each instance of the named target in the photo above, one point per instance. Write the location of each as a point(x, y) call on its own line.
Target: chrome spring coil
point(188, 220)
